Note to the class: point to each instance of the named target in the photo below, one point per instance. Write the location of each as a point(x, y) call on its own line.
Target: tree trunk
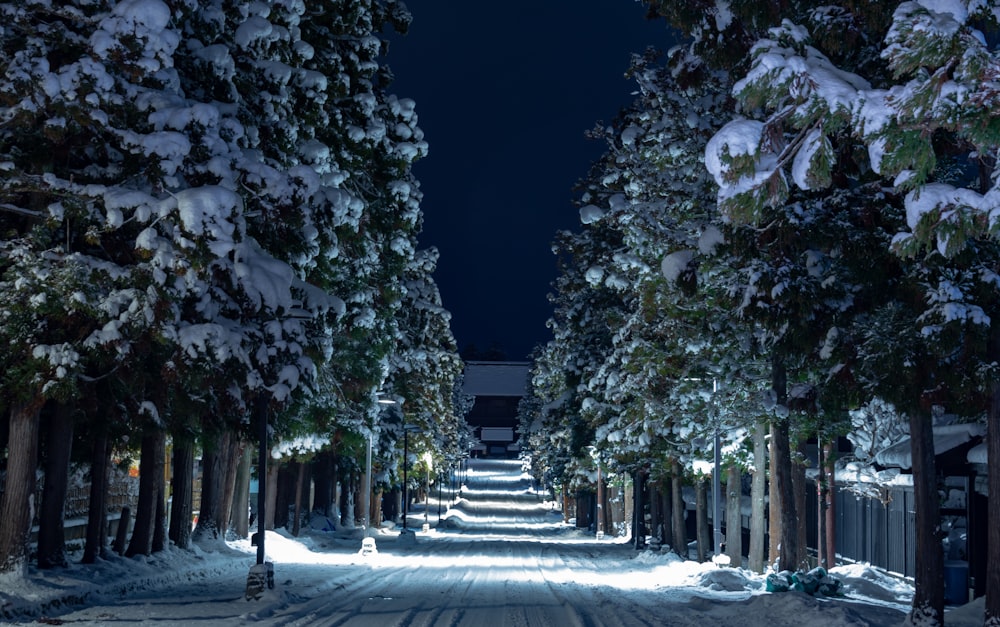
point(4, 430)
point(17, 507)
point(97, 514)
point(758, 489)
point(639, 513)
point(322, 467)
point(271, 493)
point(773, 504)
point(213, 519)
point(347, 506)
point(150, 479)
point(992, 610)
point(678, 509)
point(390, 505)
point(239, 517)
point(376, 518)
point(829, 472)
point(306, 490)
point(928, 577)
point(704, 533)
point(160, 517)
point(788, 551)
point(655, 517)
point(734, 515)
point(584, 509)
point(667, 507)
point(182, 488)
point(58, 445)
point(231, 459)
point(299, 480)
point(800, 486)
point(121, 533)
point(285, 497)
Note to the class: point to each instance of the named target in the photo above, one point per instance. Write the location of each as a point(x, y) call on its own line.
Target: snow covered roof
point(496, 378)
point(946, 437)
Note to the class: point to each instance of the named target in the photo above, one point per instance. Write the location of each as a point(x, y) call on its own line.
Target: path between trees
point(500, 557)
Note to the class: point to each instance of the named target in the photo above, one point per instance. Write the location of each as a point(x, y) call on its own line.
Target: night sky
point(505, 92)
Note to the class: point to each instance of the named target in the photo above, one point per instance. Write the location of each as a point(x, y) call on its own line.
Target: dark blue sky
point(505, 92)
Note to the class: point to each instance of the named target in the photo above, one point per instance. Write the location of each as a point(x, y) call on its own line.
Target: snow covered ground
point(501, 556)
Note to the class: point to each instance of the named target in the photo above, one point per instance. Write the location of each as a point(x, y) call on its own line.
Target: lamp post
point(600, 502)
point(366, 498)
point(406, 462)
point(716, 502)
point(600, 493)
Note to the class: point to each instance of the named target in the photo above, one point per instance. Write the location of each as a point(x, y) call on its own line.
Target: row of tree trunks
point(226, 474)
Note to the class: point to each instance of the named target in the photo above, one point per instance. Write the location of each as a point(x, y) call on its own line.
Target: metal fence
point(880, 532)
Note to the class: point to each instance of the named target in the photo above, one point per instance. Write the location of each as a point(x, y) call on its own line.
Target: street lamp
point(716, 502)
point(600, 493)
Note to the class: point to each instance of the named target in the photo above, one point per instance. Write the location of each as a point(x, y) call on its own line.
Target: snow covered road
point(501, 556)
point(474, 580)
